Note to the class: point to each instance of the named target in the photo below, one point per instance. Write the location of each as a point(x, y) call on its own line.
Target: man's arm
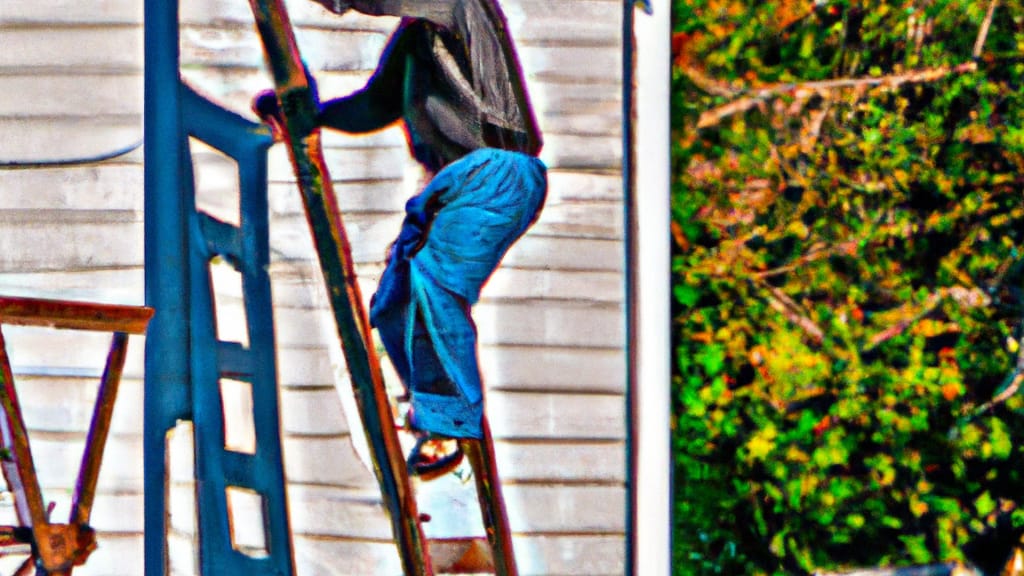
point(380, 102)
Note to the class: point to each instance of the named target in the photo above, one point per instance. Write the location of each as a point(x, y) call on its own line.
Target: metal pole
point(167, 381)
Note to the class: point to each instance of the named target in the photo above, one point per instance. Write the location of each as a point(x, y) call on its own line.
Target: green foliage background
point(849, 226)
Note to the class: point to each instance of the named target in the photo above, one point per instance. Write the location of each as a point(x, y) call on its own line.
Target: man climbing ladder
point(451, 76)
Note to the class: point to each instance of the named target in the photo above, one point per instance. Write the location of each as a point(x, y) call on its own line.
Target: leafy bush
point(848, 222)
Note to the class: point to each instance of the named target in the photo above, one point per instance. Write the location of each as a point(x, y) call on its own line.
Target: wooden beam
point(66, 314)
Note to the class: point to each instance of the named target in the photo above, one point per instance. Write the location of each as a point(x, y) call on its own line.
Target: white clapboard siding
point(550, 320)
point(53, 12)
point(106, 186)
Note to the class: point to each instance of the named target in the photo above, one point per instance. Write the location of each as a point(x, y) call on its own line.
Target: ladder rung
point(234, 361)
point(461, 555)
point(221, 238)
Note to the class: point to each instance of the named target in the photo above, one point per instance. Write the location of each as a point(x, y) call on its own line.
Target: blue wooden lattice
point(184, 358)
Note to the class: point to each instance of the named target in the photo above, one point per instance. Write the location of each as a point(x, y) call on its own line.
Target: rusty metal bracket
point(56, 548)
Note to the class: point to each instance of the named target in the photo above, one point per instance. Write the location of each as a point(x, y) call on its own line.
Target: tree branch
point(785, 305)
point(900, 326)
point(983, 32)
point(716, 115)
point(950, 569)
point(706, 83)
point(813, 255)
point(1010, 387)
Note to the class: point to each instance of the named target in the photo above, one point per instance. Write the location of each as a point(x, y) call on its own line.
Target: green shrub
point(847, 283)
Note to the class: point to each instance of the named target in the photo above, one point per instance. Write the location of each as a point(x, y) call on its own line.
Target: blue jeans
point(455, 234)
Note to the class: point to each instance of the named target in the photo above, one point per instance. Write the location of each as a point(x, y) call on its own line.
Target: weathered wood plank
point(354, 197)
point(559, 102)
point(539, 22)
point(116, 555)
point(107, 186)
point(574, 152)
point(331, 511)
point(115, 286)
point(566, 509)
point(555, 462)
point(35, 246)
point(183, 554)
point(325, 461)
point(64, 404)
point(576, 555)
point(119, 512)
point(240, 47)
point(549, 509)
point(35, 139)
point(566, 369)
point(345, 557)
point(533, 508)
point(546, 322)
point(23, 12)
point(580, 186)
point(532, 251)
point(535, 416)
point(507, 283)
point(554, 323)
point(370, 236)
point(302, 14)
point(46, 351)
point(600, 121)
point(112, 48)
point(298, 367)
point(72, 94)
point(312, 412)
point(304, 328)
point(58, 457)
point(347, 164)
point(522, 284)
point(580, 64)
point(600, 220)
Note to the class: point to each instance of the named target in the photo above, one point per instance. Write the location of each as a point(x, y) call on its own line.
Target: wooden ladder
point(331, 243)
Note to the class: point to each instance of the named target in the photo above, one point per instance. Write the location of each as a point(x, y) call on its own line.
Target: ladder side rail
point(480, 453)
point(334, 254)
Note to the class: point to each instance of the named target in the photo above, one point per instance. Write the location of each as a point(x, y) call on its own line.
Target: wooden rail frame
point(335, 256)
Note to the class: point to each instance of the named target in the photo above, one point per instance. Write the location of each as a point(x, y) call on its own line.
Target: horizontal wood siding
point(550, 320)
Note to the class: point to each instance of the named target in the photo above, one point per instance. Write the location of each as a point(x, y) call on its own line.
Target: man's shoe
point(429, 458)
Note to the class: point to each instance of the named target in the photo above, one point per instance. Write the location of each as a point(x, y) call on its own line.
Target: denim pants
point(455, 234)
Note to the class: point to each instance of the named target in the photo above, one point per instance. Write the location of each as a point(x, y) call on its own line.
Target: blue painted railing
point(185, 360)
